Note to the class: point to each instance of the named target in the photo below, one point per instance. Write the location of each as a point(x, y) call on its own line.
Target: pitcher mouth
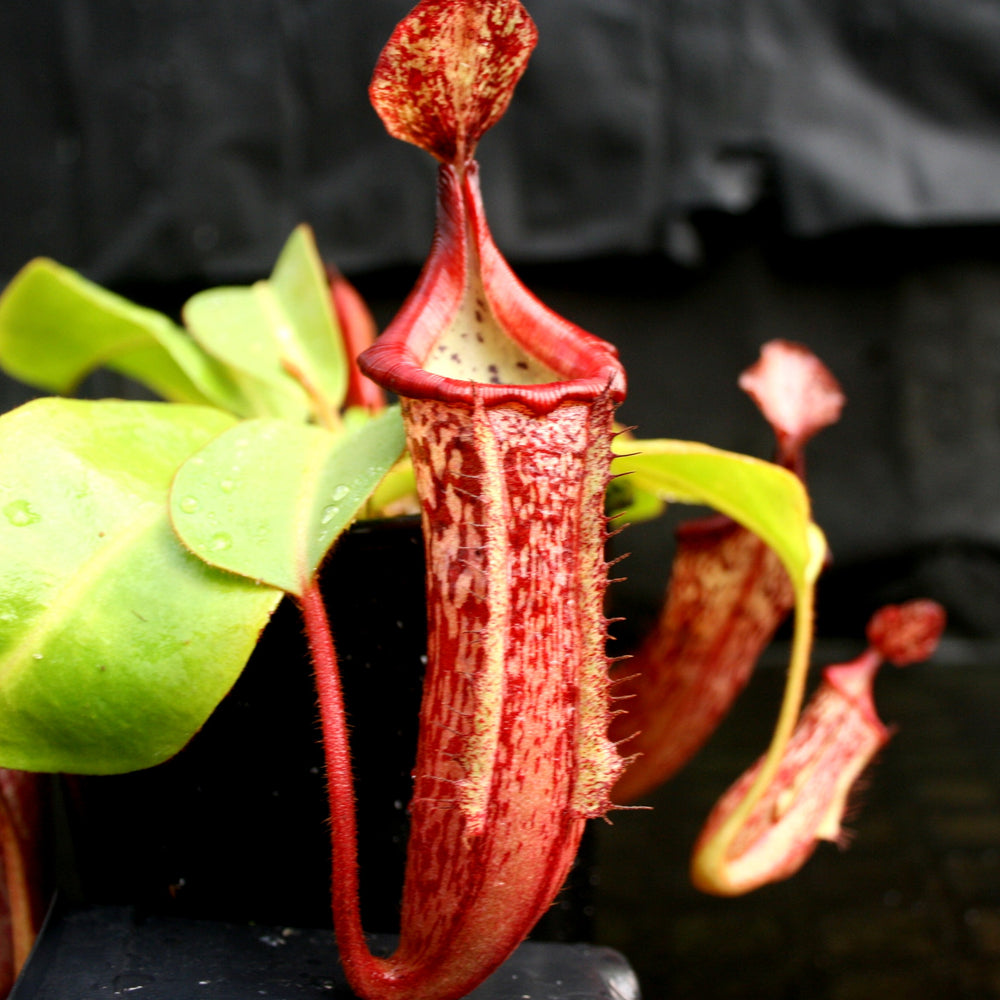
point(466, 294)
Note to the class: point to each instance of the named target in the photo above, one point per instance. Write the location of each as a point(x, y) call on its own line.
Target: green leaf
point(268, 498)
point(771, 502)
point(233, 325)
point(56, 327)
point(765, 498)
point(280, 335)
point(301, 294)
point(115, 643)
point(630, 505)
point(398, 488)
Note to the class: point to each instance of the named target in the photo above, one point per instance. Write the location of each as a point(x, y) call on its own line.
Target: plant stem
point(710, 860)
point(354, 952)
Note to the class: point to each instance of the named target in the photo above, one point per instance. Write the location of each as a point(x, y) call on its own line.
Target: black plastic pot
point(91, 953)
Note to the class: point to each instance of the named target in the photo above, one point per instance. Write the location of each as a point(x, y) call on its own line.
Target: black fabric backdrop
point(164, 139)
point(737, 169)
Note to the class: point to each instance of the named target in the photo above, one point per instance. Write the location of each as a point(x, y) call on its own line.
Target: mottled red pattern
point(448, 73)
point(514, 754)
point(515, 585)
point(907, 633)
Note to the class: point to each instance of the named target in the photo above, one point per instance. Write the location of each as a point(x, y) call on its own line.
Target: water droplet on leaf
point(341, 491)
point(227, 485)
point(189, 505)
point(220, 542)
point(329, 513)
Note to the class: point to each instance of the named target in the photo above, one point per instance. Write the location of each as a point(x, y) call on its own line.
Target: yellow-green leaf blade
point(115, 643)
point(234, 325)
point(280, 335)
point(268, 498)
point(773, 503)
point(316, 345)
point(765, 498)
point(56, 327)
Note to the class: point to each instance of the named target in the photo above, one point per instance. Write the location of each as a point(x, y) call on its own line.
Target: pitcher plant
point(147, 544)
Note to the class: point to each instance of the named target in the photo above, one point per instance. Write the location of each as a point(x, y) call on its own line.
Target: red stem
point(357, 959)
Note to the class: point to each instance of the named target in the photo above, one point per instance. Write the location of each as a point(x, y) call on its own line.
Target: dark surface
point(97, 952)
